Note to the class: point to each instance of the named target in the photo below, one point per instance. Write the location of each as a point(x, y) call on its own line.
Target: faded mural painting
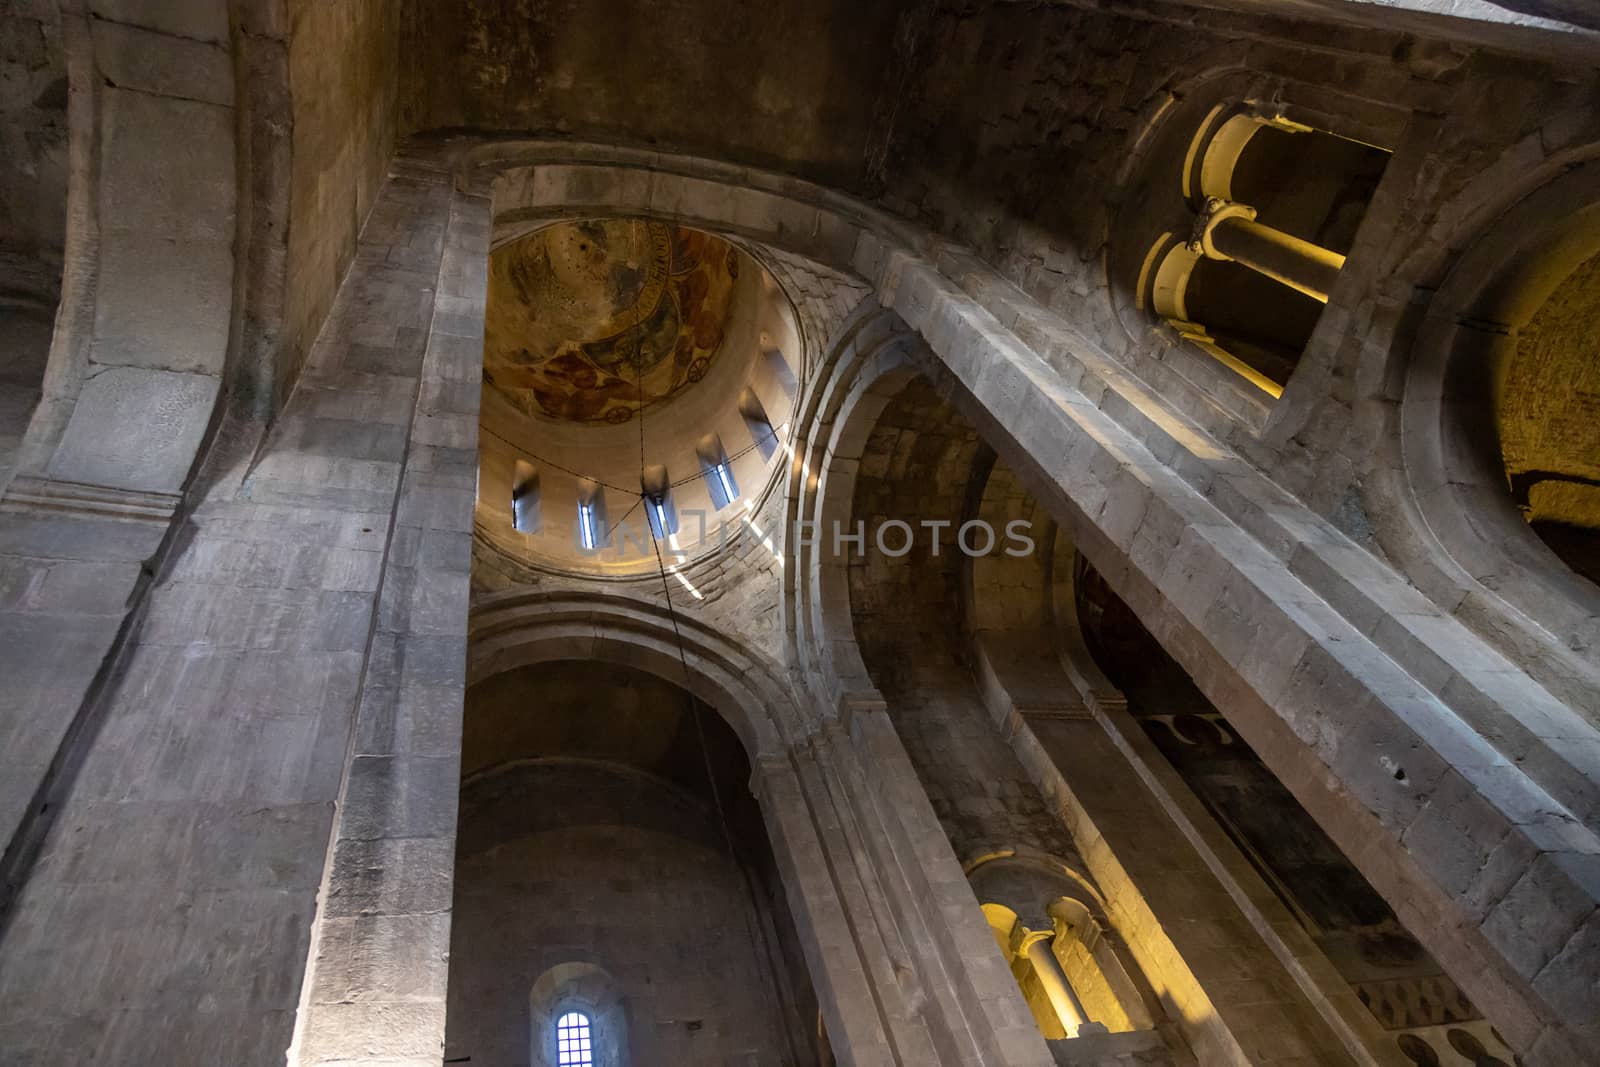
point(600, 318)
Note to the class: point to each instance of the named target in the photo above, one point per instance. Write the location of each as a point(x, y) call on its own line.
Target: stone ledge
point(29, 493)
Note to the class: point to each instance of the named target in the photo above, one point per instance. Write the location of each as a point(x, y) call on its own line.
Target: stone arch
point(1454, 525)
point(149, 299)
point(876, 357)
point(533, 179)
point(586, 987)
point(1064, 878)
point(1150, 224)
point(514, 630)
point(1045, 893)
point(751, 695)
point(618, 859)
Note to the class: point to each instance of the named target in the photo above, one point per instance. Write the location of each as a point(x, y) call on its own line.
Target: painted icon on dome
point(589, 321)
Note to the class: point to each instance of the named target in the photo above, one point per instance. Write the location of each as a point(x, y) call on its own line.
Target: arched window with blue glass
point(574, 1040)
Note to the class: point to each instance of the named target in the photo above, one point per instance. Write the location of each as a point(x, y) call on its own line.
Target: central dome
point(591, 320)
point(640, 380)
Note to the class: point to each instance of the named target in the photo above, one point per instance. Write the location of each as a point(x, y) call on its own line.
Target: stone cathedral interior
point(990, 533)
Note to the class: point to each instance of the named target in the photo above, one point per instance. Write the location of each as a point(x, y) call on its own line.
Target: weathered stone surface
point(229, 724)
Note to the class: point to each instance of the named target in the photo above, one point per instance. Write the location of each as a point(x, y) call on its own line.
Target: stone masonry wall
point(181, 876)
point(33, 132)
point(907, 613)
point(344, 71)
point(1034, 173)
point(563, 863)
point(776, 84)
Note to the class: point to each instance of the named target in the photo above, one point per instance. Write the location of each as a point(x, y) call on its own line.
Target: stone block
point(1536, 918)
point(196, 19)
point(165, 412)
point(152, 62)
point(368, 1033)
point(411, 720)
point(409, 876)
point(401, 796)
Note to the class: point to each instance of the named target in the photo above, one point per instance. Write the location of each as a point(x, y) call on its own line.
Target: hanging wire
point(622, 520)
point(756, 932)
point(672, 611)
point(525, 453)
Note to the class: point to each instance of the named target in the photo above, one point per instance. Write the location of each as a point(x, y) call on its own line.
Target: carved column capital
point(1213, 213)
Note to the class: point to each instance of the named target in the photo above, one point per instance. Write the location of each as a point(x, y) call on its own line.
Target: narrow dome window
point(756, 420)
point(659, 508)
point(1276, 208)
point(663, 523)
point(588, 529)
point(718, 471)
point(593, 532)
point(525, 511)
point(725, 484)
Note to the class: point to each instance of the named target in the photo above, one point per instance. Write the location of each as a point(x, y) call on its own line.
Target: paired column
point(1040, 950)
point(1225, 230)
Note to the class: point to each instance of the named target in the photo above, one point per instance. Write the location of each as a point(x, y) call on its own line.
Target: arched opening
point(1277, 206)
point(607, 828)
point(923, 470)
point(577, 1018)
point(1248, 208)
point(33, 210)
point(1547, 414)
point(1016, 738)
point(1403, 987)
point(1499, 435)
point(1067, 967)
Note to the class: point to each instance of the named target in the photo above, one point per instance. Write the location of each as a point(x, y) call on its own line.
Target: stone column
point(852, 971)
point(975, 1011)
point(1225, 230)
point(1053, 980)
point(374, 989)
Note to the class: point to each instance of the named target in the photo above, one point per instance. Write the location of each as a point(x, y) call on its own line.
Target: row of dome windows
point(593, 532)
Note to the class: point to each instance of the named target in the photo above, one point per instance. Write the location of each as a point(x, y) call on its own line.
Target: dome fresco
point(619, 350)
point(589, 320)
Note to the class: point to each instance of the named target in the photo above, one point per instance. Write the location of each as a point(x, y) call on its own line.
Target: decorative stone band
point(1077, 710)
point(1416, 1001)
point(28, 493)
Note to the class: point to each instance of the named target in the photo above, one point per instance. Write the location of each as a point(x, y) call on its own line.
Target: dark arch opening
point(1384, 965)
point(606, 820)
